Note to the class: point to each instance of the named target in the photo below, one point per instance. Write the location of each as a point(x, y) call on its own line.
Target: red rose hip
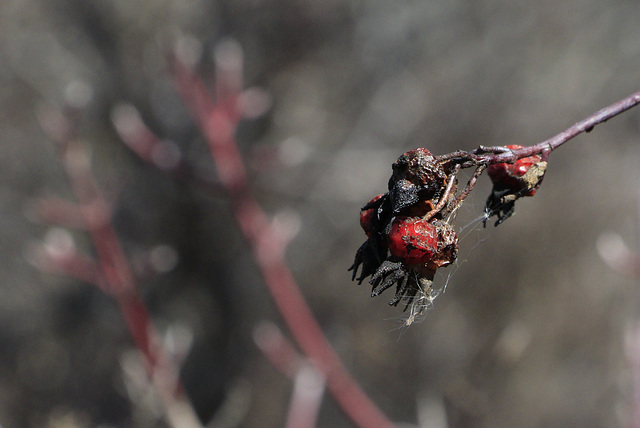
point(419, 243)
point(367, 216)
point(523, 174)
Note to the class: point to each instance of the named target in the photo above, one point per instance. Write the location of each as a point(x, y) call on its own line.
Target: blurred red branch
point(111, 270)
point(308, 383)
point(278, 350)
point(59, 211)
point(218, 121)
point(162, 154)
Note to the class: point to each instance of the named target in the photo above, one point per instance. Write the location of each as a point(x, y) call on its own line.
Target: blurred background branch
point(218, 120)
point(110, 271)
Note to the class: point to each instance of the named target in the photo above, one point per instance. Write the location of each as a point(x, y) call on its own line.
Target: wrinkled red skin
point(403, 248)
point(421, 245)
point(509, 174)
point(413, 240)
point(366, 217)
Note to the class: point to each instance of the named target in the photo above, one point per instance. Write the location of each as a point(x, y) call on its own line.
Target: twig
point(308, 383)
point(445, 196)
point(585, 125)
point(278, 350)
point(484, 156)
point(162, 154)
point(58, 211)
point(111, 270)
point(57, 255)
point(308, 389)
point(218, 122)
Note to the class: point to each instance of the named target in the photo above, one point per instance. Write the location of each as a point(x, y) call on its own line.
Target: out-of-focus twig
point(162, 154)
point(308, 389)
point(218, 119)
point(309, 385)
point(617, 255)
point(278, 350)
point(110, 270)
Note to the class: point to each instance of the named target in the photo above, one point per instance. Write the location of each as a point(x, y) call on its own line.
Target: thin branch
point(162, 154)
point(488, 155)
point(278, 350)
point(470, 185)
point(484, 156)
point(49, 259)
point(57, 211)
point(445, 196)
point(306, 398)
point(114, 275)
point(308, 383)
point(218, 122)
point(585, 125)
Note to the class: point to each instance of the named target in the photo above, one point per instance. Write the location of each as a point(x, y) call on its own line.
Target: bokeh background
point(532, 328)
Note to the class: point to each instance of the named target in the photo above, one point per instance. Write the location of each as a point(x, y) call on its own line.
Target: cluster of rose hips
point(409, 234)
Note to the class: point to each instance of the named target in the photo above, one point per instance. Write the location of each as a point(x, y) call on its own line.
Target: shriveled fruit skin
point(517, 176)
point(422, 244)
point(413, 240)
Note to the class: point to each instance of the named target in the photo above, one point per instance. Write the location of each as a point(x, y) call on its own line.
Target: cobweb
point(471, 231)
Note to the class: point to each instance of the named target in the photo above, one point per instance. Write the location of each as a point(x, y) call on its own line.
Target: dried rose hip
point(413, 240)
point(417, 177)
point(522, 175)
point(368, 215)
point(447, 245)
point(407, 238)
point(421, 244)
point(417, 249)
point(419, 167)
point(374, 217)
point(512, 181)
